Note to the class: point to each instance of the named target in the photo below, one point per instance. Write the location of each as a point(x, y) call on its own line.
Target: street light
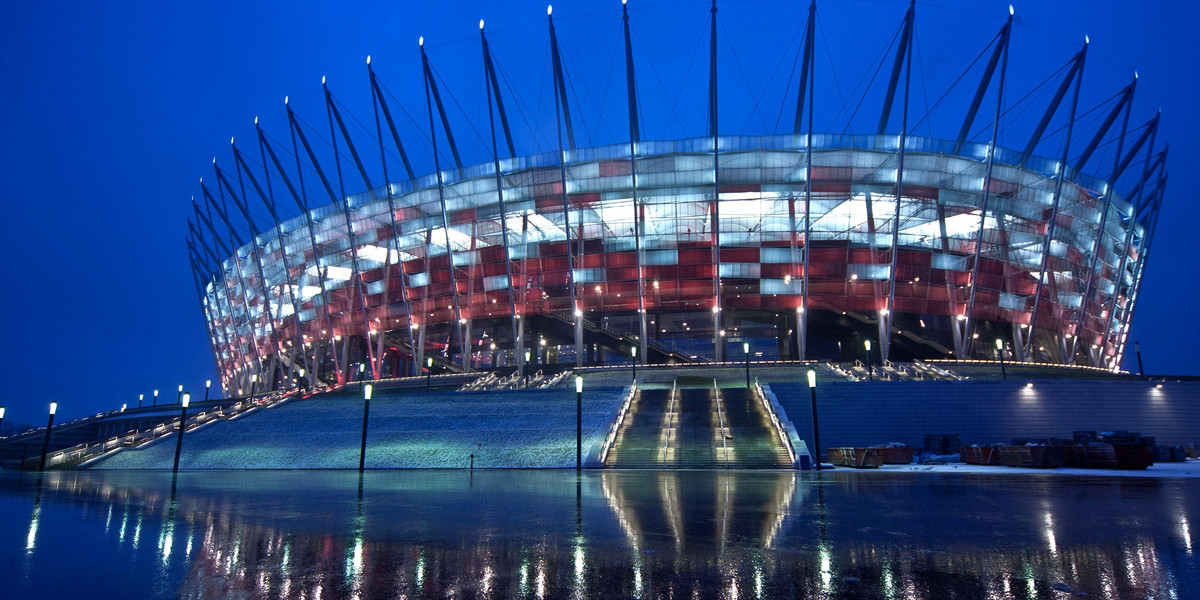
point(154, 402)
point(179, 396)
point(429, 372)
point(634, 351)
point(870, 371)
point(578, 422)
point(812, 388)
point(140, 398)
point(303, 384)
point(362, 451)
point(2, 419)
point(253, 384)
point(184, 400)
point(525, 375)
point(746, 351)
point(207, 385)
point(1000, 353)
point(123, 407)
point(46, 441)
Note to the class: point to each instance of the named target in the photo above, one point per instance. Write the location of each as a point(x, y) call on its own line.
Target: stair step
point(701, 428)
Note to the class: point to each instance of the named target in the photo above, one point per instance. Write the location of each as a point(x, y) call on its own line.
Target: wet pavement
point(605, 534)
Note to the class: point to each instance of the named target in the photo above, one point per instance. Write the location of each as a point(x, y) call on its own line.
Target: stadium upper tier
point(405, 238)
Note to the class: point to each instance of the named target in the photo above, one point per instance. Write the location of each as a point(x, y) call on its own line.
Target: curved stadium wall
point(444, 274)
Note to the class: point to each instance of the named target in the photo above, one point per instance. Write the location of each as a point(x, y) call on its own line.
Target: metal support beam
point(302, 200)
point(1124, 103)
point(715, 212)
point(456, 327)
point(381, 104)
point(262, 280)
point(241, 284)
point(377, 103)
point(1052, 223)
point(560, 87)
point(1076, 66)
point(1150, 208)
point(885, 315)
point(361, 286)
point(561, 114)
point(638, 210)
point(897, 65)
point(1141, 267)
point(1148, 130)
point(243, 170)
point(216, 276)
point(494, 91)
point(194, 259)
point(965, 326)
point(432, 88)
point(802, 311)
point(1001, 50)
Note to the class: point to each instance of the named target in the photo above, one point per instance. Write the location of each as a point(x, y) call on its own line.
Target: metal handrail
point(787, 442)
point(721, 421)
point(611, 438)
point(86, 452)
point(670, 415)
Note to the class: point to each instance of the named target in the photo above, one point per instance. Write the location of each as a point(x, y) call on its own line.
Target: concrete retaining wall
point(983, 412)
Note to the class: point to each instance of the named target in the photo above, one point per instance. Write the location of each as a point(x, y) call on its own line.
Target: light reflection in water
point(758, 581)
point(1185, 533)
point(31, 537)
point(638, 535)
point(137, 531)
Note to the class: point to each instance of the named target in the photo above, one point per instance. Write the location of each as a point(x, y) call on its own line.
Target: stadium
point(873, 247)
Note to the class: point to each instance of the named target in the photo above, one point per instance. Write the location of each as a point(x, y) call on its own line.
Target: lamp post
point(207, 385)
point(746, 351)
point(179, 396)
point(525, 375)
point(253, 384)
point(578, 422)
point(123, 407)
point(1000, 353)
point(634, 351)
point(362, 451)
point(154, 401)
point(303, 383)
point(428, 372)
point(2, 420)
point(812, 388)
point(140, 398)
point(1137, 349)
point(46, 441)
point(870, 371)
point(184, 400)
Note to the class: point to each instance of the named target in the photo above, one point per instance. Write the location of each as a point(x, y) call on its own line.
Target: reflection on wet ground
point(551, 534)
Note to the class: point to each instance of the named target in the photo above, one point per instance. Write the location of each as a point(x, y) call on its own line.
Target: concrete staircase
point(697, 428)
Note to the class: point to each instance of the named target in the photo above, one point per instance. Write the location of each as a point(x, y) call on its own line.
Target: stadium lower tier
point(648, 260)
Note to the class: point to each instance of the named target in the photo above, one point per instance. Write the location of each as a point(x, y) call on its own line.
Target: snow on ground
point(1189, 469)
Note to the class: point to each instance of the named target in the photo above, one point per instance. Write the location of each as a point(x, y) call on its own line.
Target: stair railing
point(721, 421)
point(86, 453)
point(670, 418)
point(611, 438)
point(783, 437)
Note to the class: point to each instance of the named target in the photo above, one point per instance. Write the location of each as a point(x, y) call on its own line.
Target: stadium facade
point(803, 245)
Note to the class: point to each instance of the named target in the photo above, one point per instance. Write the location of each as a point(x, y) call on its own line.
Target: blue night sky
point(113, 111)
